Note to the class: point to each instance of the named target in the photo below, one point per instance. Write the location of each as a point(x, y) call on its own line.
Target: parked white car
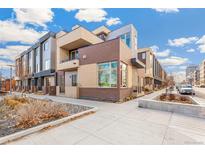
point(186, 89)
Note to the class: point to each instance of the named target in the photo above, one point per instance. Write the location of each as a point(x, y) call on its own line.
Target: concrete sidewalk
point(121, 124)
point(200, 92)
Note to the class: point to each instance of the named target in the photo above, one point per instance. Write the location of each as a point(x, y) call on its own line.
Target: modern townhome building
point(35, 67)
point(155, 76)
point(202, 73)
point(101, 64)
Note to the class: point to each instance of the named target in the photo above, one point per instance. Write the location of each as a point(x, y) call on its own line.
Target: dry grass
point(13, 101)
point(37, 112)
point(30, 112)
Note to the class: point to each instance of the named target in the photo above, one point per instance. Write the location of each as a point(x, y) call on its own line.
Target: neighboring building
point(97, 65)
point(190, 74)
point(5, 85)
point(155, 76)
point(202, 74)
point(35, 67)
point(197, 77)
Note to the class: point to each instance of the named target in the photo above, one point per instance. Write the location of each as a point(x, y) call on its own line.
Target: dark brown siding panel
point(102, 94)
point(125, 92)
point(102, 52)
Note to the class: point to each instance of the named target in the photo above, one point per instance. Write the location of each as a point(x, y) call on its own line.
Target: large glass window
point(73, 54)
point(107, 74)
point(135, 42)
point(74, 79)
point(143, 55)
point(37, 59)
point(126, 38)
point(47, 64)
point(45, 46)
point(123, 72)
point(46, 56)
point(30, 62)
point(24, 65)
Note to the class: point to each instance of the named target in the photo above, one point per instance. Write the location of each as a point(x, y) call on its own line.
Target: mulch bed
point(9, 116)
point(175, 98)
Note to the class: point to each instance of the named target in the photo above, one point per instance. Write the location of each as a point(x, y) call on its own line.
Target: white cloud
point(180, 42)
point(113, 21)
point(91, 15)
point(173, 60)
point(14, 32)
point(201, 43)
point(10, 52)
point(182, 67)
point(201, 40)
point(158, 53)
point(191, 50)
point(202, 48)
point(4, 66)
point(167, 10)
point(154, 48)
point(164, 53)
point(35, 16)
point(69, 9)
point(95, 15)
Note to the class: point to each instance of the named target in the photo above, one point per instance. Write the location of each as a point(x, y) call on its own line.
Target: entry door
point(71, 79)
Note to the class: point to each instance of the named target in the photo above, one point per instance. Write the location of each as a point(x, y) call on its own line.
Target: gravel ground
point(8, 122)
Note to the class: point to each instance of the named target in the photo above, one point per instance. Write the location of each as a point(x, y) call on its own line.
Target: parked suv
point(186, 89)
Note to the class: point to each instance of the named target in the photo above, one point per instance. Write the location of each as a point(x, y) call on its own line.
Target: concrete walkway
point(121, 124)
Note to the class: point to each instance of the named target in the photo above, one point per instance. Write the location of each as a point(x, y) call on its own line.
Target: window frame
point(122, 63)
point(73, 84)
point(143, 55)
point(110, 69)
point(37, 59)
point(73, 52)
point(124, 37)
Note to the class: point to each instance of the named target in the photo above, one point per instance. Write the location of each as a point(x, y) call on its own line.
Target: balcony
point(68, 44)
point(68, 64)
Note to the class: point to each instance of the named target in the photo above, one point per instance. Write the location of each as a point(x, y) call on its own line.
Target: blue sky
point(176, 35)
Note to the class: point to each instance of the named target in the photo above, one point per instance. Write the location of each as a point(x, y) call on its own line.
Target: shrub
point(38, 111)
point(182, 98)
point(163, 97)
point(172, 97)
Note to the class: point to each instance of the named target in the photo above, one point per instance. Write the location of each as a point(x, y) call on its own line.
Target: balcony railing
point(68, 64)
point(67, 60)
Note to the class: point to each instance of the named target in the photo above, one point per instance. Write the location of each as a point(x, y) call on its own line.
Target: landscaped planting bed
point(175, 98)
point(174, 103)
point(18, 113)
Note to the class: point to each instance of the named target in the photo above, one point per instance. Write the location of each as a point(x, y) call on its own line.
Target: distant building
point(155, 75)
point(170, 80)
point(197, 77)
point(202, 73)
point(5, 85)
point(190, 73)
